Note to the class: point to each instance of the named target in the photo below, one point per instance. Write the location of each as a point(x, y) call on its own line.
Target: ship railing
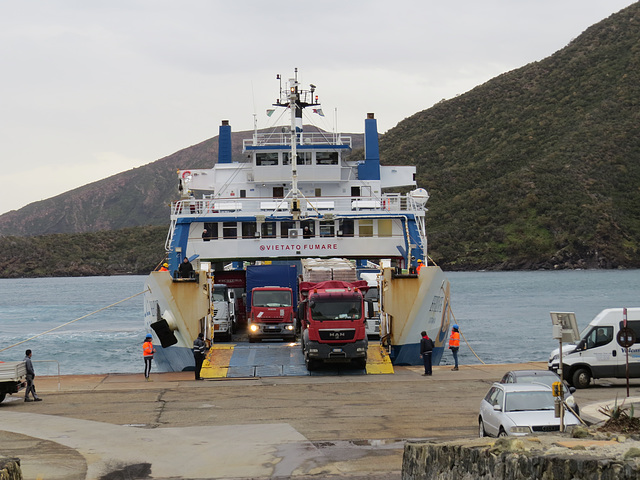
point(284, 138)
point(393, 203)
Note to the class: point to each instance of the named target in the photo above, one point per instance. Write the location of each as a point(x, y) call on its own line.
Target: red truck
point(332, 319)
point(271, 295)
point(271, 314)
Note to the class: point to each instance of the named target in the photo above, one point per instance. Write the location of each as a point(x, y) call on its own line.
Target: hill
point(537, 168)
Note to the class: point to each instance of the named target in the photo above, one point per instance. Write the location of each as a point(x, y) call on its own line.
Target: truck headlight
point(520, 430)
point(360, 349)
point(313, 350)
point(253, 328)
point(289, 327)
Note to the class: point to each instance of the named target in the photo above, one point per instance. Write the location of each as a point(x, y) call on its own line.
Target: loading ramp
point(277, 359)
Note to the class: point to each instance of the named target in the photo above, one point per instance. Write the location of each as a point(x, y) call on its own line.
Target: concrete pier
point(119, 426)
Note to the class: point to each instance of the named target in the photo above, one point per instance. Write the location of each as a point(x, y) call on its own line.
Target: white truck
point(372, 304)
point(223, 317)
point(13, 378)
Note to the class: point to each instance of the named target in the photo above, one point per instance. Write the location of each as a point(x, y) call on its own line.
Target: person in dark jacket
point(31, 374)
point(426, 348)
point(185, 269)
point(199, 353)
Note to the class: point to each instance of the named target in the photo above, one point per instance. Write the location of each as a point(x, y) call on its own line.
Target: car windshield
point(271, 298)
point(544, 379)
point(528, 401)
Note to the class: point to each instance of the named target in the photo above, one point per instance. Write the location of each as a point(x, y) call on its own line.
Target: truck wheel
point(2, 395)
point(360, 363)
point(581, 378)
point(311, 365)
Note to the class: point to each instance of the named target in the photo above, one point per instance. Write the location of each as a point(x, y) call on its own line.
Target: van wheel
point(502, 433)
point(2, 395)
point(581, 378)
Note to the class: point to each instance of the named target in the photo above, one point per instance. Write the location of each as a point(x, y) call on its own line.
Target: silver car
point(546, 377)
point(519, 409)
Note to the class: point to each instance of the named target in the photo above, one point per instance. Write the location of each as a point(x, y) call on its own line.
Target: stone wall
point(548, 458)
point(10, 469)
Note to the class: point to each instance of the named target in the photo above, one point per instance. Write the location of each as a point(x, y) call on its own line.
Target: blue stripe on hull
point(410, 354)
point(174, 359)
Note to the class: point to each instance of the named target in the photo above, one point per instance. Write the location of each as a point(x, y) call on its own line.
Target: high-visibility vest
point(147, 349)
point(454, 339)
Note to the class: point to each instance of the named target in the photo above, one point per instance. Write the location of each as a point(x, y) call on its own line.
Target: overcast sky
point(89, 89)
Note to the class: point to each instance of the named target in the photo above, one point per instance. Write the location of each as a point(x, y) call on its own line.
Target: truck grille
point(338, 334)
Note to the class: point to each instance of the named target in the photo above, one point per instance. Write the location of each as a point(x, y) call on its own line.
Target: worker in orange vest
point(147, 352)
point(419, 267)
point(164, 267)
point(454, 344)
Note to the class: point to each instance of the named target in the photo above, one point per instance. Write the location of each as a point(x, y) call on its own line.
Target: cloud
point(143, 79)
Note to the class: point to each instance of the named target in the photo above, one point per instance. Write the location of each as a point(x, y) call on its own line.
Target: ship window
point(284, 228)
point(304, 158)
point(249, 229)
point(327, 228)
point(266, 159)
point(365, 228)
point(278, 192)
point(243, 194)
point(385, 227)
point(318, 192)
point(345, 226)
point(355, 191)
point(326, 158)
point(307, 228)
point(212, 230)
point(268, 229)
point(229, 230)
point(286, 158)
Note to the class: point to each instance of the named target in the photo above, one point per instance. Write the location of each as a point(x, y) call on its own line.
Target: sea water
point(503, 316)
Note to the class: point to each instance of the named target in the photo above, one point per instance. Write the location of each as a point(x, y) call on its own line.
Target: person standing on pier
point(454, 344)
point(147, 352)
point(199, 353)
point(31, 374)
point(426, 349)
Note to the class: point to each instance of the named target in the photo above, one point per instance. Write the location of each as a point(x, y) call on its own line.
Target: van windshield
point(598, 336)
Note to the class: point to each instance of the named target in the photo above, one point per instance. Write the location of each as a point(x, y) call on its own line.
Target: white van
point(598, 354)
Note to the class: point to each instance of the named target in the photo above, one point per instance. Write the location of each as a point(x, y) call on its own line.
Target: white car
point(516, 409)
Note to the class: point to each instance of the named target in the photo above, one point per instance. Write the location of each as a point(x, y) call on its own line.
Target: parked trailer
point(13, 378)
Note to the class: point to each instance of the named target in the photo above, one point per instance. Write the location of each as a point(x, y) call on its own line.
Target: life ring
point(186, 173)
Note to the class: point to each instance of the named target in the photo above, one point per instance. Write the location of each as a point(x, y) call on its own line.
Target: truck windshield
point(219, 294)
point(336, 310)
point(271, 298)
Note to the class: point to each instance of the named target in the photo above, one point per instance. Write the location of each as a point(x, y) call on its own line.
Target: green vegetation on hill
point(539, 167)
point(130, 251)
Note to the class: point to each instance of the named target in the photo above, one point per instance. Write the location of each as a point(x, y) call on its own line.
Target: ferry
point(297, 193)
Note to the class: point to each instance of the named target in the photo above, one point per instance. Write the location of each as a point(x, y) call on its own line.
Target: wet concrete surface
point(119, 426)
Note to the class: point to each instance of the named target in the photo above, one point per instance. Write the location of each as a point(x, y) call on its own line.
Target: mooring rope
point(456, 321)
point(464, 338)
point(68, 323)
